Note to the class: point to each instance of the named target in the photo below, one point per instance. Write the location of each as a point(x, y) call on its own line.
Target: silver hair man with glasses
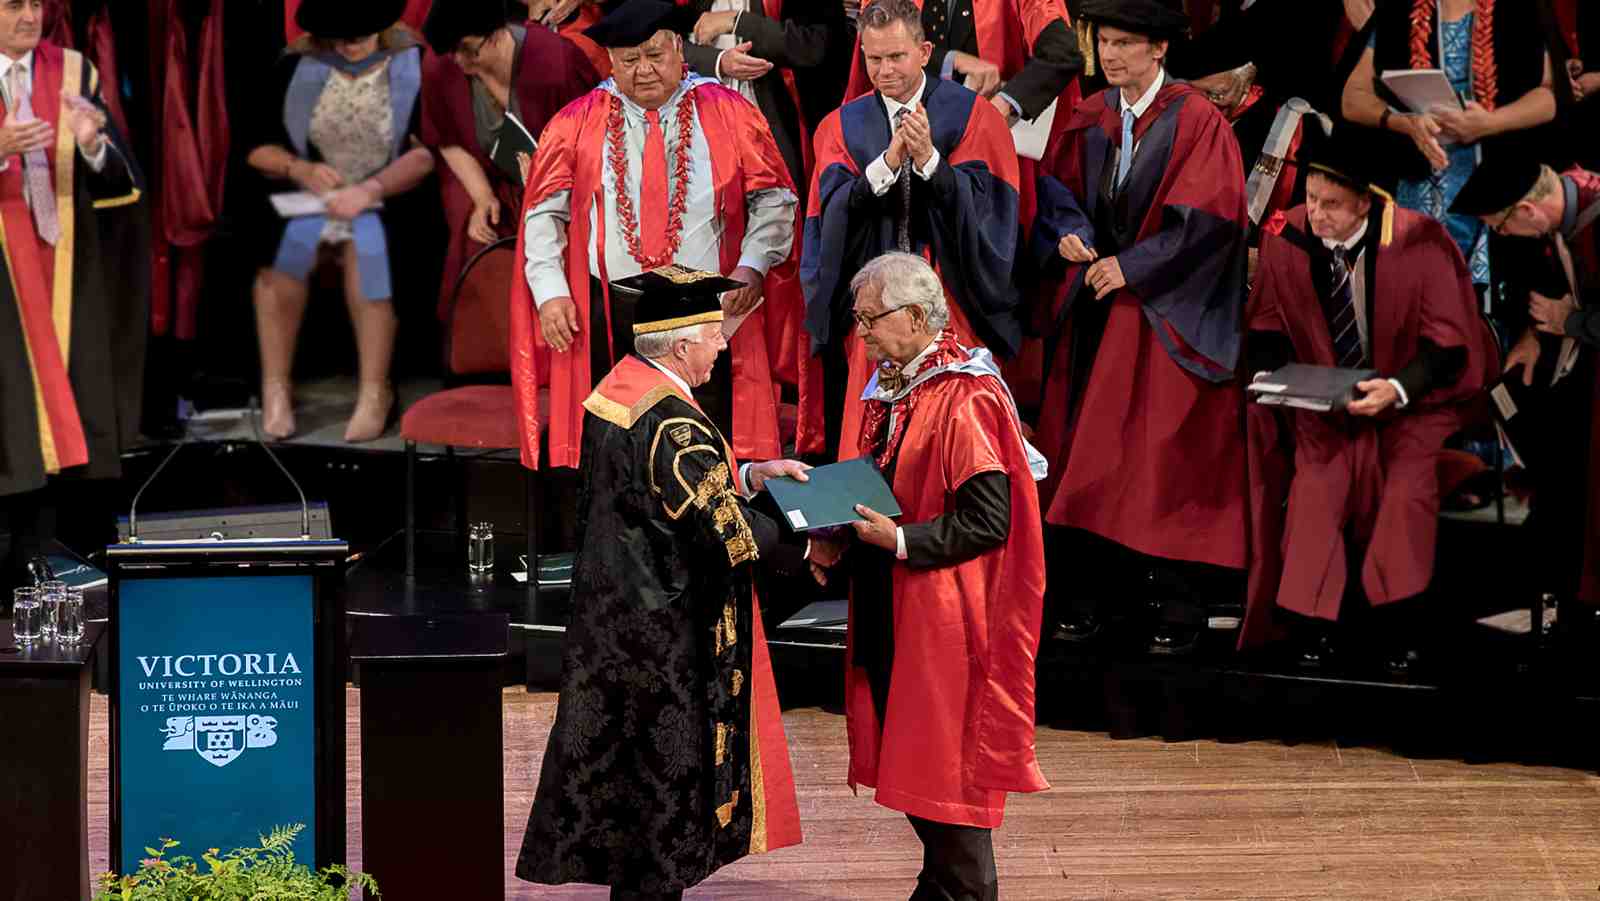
point(945, 606)
point(667, 758)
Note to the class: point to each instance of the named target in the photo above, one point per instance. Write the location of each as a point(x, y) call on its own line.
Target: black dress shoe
point(1317, 653)
point(1174, 641)
point(1400, 662)
point(1077, 629)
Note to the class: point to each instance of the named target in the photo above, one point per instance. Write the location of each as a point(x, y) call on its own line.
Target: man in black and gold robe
point(667, 759)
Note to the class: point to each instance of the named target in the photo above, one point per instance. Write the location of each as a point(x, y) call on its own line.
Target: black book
point(1317, 388)
point(513, 141)
point(1520, 412)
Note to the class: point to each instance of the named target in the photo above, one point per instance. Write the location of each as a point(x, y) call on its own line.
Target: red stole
point(42, 293)
point(744, 159)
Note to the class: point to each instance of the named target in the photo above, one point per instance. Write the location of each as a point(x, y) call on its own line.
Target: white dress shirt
point(879, 175)
point(769, 229)
point(1358, 291)
point(1141, 106)
point(96, 162)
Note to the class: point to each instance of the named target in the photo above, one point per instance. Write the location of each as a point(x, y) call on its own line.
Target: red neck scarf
point(874, 439)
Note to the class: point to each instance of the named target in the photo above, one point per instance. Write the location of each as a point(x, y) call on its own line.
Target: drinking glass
point(480, 547)
point(49, 595)
point(69, 616)
point(25, 615)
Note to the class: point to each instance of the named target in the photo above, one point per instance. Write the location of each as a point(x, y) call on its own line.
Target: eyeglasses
point(868, 321)
point(473, 51)
point(1499, 228)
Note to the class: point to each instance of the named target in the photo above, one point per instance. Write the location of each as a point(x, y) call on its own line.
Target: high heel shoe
point(374, 406)
point(277, 409)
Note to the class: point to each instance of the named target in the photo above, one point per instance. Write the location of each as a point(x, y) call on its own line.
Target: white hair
point(655, 345)
point(906, 280)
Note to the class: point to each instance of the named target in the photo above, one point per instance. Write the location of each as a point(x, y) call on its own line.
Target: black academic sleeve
point(979, 521)
point(1055, 61)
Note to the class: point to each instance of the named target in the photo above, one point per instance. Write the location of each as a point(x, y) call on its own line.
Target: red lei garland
point(1485, 72)
point(679, 185)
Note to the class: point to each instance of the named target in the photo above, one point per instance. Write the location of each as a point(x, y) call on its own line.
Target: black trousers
point(957, 863)
point(715, 396)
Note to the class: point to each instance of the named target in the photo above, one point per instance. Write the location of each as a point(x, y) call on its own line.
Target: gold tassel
point(1086, 40)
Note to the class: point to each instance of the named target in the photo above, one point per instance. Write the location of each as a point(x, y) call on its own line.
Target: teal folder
point(830, 497)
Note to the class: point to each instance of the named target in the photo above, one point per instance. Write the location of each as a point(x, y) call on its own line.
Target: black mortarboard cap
point(338, 20)
point(1497, 184)
point(451, 21)
point(632, 22)
point(1158, 19)
point(1342, 155)
point(675, 296)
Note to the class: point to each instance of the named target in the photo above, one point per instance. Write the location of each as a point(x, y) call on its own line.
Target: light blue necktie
point(1125, 159)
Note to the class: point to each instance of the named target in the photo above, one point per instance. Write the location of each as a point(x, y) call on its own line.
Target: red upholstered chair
point(479, 416)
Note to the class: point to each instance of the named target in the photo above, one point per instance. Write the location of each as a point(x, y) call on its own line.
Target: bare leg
point(280, 302)
point(375, 325)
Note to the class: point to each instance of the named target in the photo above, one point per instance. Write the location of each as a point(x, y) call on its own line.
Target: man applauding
point(944, 610)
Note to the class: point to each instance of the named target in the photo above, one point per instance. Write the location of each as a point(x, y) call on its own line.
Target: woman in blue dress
point(1496, 57)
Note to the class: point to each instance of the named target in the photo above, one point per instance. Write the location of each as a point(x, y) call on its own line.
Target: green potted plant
point(266, 871)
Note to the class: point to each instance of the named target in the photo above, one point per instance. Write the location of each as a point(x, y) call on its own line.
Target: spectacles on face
point(1499, 228)
point(474, 50)
point(869, 321)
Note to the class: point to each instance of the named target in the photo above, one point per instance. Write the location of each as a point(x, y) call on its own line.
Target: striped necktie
point(902, 230)
point(35, 165)
point(1339, 304)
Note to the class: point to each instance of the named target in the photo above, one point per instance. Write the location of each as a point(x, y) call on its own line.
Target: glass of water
point(49, 594)
point(69, 616)
point(25, 615)
point(480, 547)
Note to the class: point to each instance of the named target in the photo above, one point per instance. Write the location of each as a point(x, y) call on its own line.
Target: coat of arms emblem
point(219, 740)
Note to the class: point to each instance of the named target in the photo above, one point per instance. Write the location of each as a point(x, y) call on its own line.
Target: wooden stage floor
point(1138, 819)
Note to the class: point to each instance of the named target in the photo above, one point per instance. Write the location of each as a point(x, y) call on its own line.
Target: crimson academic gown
point(958, 730)
point(744, 159)
point(71, 328)
point(963, 220)
point(1142, 417)
point(552, 73)
point(194, 162)
point(1358, 487)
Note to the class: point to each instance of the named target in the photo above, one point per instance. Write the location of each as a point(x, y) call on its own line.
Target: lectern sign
point(217, 708)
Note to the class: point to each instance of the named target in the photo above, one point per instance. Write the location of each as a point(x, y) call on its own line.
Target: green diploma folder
point(830, 497)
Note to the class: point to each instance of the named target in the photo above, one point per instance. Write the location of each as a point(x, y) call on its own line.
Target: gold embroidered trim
point(758, 784)
point(625, 417)
point(682, 275)
point(722, 743)
point(724, 635)
point(738, 682)
point(725, 812)
point(113, 202)
point(66, 211)
point(667, 325)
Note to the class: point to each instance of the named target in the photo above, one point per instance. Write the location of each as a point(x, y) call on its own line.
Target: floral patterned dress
point(352, 127)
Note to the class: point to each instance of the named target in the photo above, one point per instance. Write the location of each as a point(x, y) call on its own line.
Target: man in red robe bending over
point(944, 609)
point(1350, 280)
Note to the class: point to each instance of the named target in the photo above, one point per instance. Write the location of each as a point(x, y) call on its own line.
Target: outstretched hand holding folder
point(832, 494)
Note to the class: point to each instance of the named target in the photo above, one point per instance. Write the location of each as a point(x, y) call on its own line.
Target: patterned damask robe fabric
point(667, 757)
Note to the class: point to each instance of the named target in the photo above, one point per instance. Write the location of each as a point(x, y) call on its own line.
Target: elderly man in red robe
point(1349, 280)
point(1140, 241)
point(655, 166)
point(945, 609)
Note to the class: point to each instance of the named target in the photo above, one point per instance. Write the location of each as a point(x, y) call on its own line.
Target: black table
point(431, 754)
point(44, 766)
